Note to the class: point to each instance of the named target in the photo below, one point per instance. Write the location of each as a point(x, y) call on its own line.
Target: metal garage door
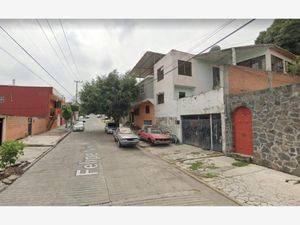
point(196, 130)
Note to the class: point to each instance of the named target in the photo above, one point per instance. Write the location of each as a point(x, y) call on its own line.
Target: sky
point(96, 47)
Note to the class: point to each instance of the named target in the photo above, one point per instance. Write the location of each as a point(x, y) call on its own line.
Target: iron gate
point(203, 132)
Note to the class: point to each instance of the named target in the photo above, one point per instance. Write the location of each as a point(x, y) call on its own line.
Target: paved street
point(87, 168)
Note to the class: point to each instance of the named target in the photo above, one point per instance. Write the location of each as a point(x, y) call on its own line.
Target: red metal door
point(243, 131)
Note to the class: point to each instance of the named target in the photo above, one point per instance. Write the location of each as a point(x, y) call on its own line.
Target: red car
point(154, 135)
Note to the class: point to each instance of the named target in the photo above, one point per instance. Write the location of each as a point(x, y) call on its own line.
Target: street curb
point(198, 179)
point(46, 152)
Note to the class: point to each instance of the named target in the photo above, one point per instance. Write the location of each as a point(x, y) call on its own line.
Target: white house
point(189, 90)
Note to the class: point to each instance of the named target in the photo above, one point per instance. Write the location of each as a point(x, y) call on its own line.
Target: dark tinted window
point(181, 94)
point(147, 109)
point(184, 68)
point(216, 77)
point(160, 74)
point(160, 98)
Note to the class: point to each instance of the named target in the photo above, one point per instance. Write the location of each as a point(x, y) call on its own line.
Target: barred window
point(184, 68)
point(160, 98)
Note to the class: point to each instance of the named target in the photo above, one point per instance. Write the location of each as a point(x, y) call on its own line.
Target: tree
point(10, 151)
point(284, 33)
point(295, 68)
point(110, 95)
point(67, 113)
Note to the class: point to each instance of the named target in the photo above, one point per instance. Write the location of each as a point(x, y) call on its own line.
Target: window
point(142, 88)
point(147, 109)
point(184, 68)
point(136, 112)
point(160, 98)
point(277, 64)
point(160, 74)
point(181, 94)
point(256, 63)
point(216, 77)
point(2, 99)
point(147, 122)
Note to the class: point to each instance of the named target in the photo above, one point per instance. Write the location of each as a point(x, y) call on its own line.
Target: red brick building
point(26, 110)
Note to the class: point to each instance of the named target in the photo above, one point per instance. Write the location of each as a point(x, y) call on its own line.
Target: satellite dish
point(215, 48)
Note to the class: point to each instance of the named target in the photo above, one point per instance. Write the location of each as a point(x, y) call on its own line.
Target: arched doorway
point(243, 131)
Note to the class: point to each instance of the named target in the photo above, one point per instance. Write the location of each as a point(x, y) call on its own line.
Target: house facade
point(26, 110)
point(142, 111)
point(190, 91)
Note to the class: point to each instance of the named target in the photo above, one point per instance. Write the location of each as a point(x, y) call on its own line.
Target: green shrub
point(10, 151)
point(240, 163)
point(196, 165)
point(209, 175)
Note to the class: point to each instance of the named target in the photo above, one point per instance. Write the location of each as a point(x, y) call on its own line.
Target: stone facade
point(275, 124)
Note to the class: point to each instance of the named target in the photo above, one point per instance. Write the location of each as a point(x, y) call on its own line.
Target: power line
point(53, 48)
point(60, 48)
point(24, 65)
point(74, 62)
point(35, 60)
point(228, 35)
point(203, 39)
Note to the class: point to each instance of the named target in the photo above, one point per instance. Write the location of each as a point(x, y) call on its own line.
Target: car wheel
point(119, 144)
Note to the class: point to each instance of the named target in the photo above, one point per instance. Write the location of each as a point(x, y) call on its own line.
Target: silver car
point(125, 137)
point(79, 126)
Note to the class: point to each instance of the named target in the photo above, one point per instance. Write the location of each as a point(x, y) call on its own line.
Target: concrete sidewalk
point(37, 146)
point(248, 185)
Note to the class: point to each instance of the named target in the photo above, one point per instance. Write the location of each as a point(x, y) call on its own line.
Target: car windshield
point(156, 131)
point(125, 131)
point(79, 123)
point(111, 125)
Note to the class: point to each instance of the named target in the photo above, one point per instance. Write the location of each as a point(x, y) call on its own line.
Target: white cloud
point(99, 46)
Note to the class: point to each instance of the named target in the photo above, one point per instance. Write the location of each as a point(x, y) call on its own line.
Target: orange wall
point(139, 120)
point(39, 125)
point(244, 79)
point(16, 127)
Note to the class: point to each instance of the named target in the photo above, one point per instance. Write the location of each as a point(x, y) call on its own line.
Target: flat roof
point(144, 66)
point(223, 54)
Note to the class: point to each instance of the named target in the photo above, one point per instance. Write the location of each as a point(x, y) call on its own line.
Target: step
point(242, 157)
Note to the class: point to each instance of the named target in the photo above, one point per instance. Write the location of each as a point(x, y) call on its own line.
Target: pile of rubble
point(9, 174)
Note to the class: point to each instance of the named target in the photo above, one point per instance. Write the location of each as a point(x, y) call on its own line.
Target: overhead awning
point(144, 67)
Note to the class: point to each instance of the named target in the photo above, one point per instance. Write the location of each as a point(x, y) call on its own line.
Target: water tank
point(215, 48)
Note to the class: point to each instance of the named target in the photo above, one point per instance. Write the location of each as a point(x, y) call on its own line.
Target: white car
point(79, 126)
point(125, 137)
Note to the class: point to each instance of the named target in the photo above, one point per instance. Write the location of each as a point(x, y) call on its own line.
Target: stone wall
point(275, 124)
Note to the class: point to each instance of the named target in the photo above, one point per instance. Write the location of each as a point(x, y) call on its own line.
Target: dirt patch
point(13, 170)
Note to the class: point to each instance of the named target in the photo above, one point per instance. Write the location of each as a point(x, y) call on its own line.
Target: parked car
point(98, 116)
point(79, 126)
point(87, 116)
point(154, 135)
point(125, 137)
point(110, 127)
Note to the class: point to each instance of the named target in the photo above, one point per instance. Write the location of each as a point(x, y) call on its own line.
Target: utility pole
point(77, 81)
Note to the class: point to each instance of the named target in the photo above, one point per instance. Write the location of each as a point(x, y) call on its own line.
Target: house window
point(2, 99)
point(142, 88)
point(136, 112)
point(256, 63)
point(181, 94)
point(147, 122)
point(160, 98)
point(277, 64)
point(184, 68)
point(216, 77)
point(147, 109)
point(160, 74)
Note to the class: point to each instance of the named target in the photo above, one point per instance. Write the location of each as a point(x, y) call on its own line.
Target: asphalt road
point(87, 168)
